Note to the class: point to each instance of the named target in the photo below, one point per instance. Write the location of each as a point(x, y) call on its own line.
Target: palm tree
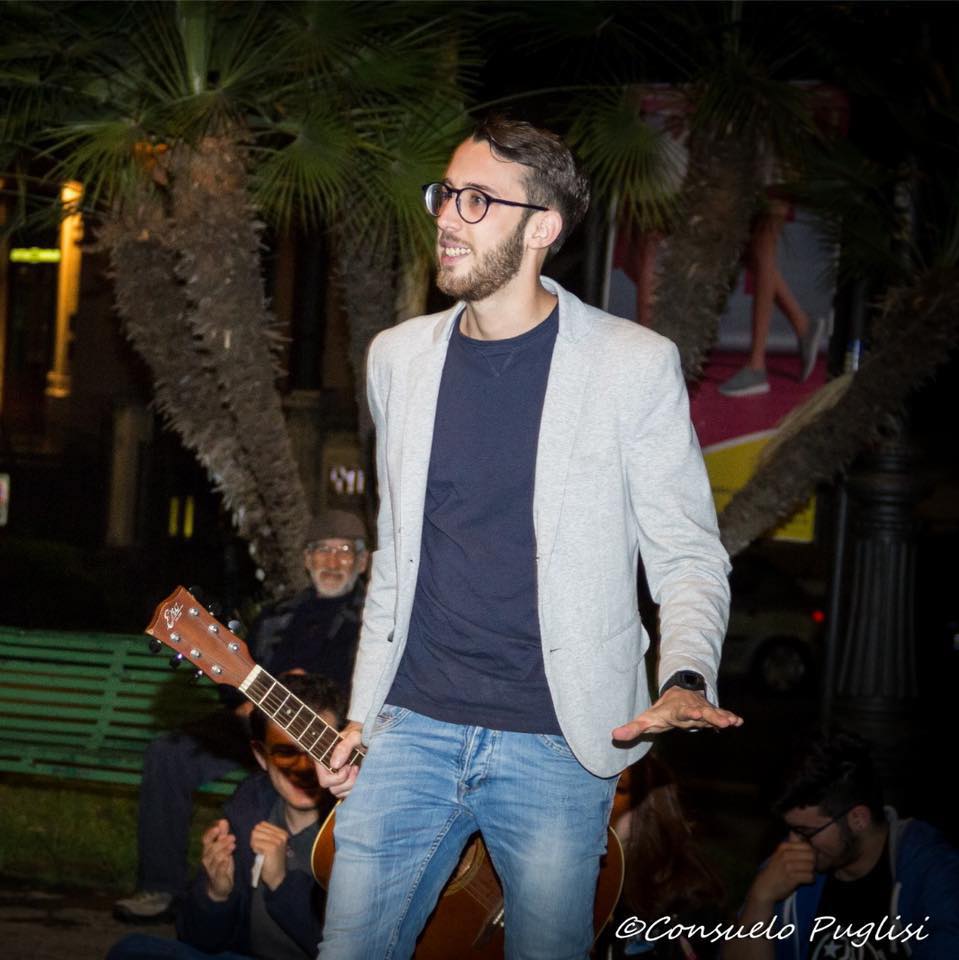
point(190, 125)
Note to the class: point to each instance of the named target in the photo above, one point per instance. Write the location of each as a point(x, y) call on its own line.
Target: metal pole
point(857, 321)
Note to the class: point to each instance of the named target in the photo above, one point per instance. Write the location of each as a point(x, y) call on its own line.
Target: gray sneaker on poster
point(745, 383)
point(809, 347)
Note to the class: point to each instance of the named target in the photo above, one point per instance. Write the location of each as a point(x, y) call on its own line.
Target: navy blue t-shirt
point(473, 653)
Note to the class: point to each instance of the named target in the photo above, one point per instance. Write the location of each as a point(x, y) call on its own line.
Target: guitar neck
point(305, 726)
point(181, 623)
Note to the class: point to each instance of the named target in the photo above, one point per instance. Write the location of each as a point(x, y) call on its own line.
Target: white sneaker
point(145, 906)
point(809, 347)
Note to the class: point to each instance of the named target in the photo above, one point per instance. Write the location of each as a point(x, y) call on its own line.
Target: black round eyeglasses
point(471, 204)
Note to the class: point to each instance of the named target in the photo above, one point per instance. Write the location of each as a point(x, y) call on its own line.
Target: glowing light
point(35, 255)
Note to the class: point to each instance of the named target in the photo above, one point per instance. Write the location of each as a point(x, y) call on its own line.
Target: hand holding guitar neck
point(342, 772)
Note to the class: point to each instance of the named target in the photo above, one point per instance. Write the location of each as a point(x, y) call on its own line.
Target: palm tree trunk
point(918, 329)
point(218, 242)
point(367, 279)
point(153, 305)
point(191, 292)
point(701, 260)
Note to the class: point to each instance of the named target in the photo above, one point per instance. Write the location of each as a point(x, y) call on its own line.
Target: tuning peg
point(235, 626)
point(154, 645)
point(213, 607)
point(176, 660)
point(196, 675)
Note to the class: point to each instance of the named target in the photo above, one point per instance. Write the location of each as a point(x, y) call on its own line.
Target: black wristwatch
point(685, 680)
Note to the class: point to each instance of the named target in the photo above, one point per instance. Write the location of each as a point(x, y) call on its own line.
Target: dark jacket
point(296, 904)
point(307, 631)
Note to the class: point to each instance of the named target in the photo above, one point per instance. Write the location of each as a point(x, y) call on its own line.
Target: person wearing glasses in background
point(851, 881)
point(254, 895)
point(316, 631)
point(529, 447)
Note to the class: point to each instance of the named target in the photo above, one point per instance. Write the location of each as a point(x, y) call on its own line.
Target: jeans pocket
point(556, 743)
point(388, 717)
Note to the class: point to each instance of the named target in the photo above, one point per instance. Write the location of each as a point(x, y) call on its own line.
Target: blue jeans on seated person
point(424, 787)
point(140, 946)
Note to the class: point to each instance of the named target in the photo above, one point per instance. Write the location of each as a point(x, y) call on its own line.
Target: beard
point(337, 583)
point(497, 267)
point(848, 852)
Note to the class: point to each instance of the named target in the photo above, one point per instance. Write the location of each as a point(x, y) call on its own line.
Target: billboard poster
point(770, 354)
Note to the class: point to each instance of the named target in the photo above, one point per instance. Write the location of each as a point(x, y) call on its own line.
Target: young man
point(316, 631)
point(272, 911)
point(529, 447)
point(851, 881)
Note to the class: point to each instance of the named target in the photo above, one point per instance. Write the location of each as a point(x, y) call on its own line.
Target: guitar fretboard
point(308, 729)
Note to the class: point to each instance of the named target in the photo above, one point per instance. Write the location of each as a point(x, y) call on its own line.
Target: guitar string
point(274, 699)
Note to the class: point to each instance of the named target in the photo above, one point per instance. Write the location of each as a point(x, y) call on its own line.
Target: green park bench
point(83, 706)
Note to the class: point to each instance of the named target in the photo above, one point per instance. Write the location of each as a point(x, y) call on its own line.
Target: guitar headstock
point(181, 623)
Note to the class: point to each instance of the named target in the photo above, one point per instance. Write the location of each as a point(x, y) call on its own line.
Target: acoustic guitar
point(468, 921)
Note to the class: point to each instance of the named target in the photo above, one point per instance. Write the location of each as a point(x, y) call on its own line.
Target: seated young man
point(273, 911)
point(851, 880)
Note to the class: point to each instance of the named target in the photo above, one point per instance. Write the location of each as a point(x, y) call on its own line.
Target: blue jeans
point(424, 787)
point(174, 765)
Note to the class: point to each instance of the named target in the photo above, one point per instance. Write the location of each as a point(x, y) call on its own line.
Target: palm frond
point(305, 179)
point(110, 157)
point(627, 158)
point(852, 197)
point(407, 148)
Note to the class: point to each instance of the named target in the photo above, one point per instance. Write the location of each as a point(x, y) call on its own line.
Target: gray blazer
point(618, 473)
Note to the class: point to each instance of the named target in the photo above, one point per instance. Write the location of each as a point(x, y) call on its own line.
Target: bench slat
point(85, 706)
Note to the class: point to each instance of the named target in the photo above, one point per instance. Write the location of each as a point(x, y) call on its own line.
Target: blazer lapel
point(425, 373)
point(568, 375)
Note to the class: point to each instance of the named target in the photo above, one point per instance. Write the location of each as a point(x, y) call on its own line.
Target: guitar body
point(468, 919)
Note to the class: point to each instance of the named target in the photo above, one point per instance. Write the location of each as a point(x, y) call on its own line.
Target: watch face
point(686, 680)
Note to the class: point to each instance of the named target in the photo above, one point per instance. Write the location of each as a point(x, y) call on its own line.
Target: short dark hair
point(553, 179)
point(834, 772)
point(319, 693)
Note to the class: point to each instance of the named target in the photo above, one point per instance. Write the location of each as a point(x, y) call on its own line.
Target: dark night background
point(898, 63)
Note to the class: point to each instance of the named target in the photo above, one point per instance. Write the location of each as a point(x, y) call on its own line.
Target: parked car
point(775, 631)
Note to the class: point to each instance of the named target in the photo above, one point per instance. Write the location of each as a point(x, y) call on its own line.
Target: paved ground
point(39, 925)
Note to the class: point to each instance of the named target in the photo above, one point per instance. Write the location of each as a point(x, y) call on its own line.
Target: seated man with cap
point(315, 631)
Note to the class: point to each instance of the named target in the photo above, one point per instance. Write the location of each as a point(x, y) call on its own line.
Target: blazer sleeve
point(686, 565)
point(380, 608)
